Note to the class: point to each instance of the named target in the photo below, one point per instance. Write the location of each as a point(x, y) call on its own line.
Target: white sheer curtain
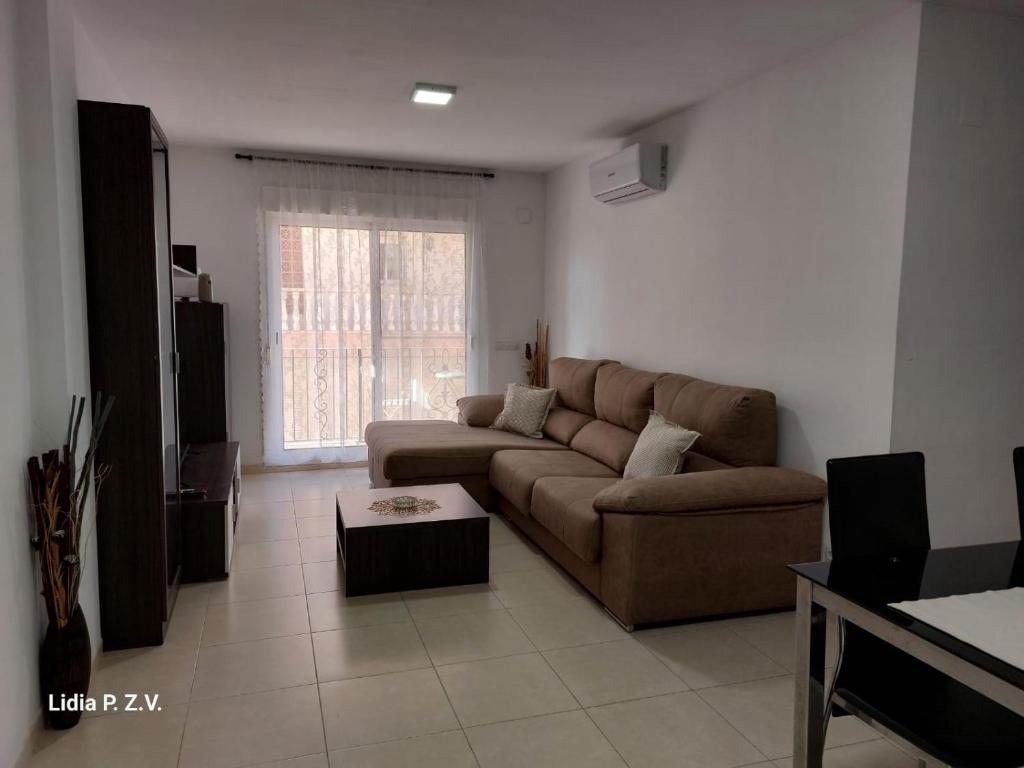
point(372, 301)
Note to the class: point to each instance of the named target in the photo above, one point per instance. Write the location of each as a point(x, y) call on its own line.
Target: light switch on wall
point(524, 215)
point(506, 346)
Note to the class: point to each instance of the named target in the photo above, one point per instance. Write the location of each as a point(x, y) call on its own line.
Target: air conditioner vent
point(637, 171)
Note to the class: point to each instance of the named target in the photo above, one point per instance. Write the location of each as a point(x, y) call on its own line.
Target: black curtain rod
point(480, 174)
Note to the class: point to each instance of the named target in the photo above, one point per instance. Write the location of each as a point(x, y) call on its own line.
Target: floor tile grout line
point(316, 669)
point(732, 725)
point(448, 698)
point(286, 760)
point(258, 692)
point(398, 740)
point(605, 736)
point(634, 699)
point(476, 659)
point(576, 699)
point(756, 648)
point(521, 719)
point(720, 685)
point(628, 638)
point(192, 685)
point(706, 703)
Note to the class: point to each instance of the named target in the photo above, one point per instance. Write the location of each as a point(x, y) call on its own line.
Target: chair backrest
point(1018, 473)
point(877, 504)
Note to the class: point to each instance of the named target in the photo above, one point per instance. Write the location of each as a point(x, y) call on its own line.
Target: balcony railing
point(350, 311)
point(329, 393)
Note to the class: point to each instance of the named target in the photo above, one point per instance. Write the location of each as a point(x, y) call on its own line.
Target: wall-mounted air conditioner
point(636, 171)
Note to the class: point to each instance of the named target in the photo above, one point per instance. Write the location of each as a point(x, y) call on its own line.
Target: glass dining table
point(860, 591)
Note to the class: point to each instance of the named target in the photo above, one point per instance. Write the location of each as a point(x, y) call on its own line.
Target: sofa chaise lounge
point(713, 539)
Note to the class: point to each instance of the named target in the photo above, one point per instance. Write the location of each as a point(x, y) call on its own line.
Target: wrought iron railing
point(329, 393)
point(350, 311)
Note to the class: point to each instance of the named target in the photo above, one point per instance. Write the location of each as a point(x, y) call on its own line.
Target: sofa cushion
point(565, 506)
point(513, 472)
point(605, 442)
point(660, 448)
point(479, 410)
point(696, 462)
point(407, 450)
point(563, 424)
point(737, 424)
point(724, 490)
point(574, 379)
point(624, 396)
point(526, 409)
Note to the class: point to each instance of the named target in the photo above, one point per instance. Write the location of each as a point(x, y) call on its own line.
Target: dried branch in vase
point(537, 357)
point(60, 492)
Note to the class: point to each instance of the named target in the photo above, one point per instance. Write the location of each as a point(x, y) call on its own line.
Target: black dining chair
point(878, 506)
point(1018, 473)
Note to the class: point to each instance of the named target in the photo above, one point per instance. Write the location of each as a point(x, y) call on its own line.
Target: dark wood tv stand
point(208, 520)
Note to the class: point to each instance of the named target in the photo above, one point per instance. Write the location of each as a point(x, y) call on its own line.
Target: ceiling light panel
point(431, 93)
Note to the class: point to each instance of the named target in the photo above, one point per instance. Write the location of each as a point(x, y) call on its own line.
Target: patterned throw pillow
point(526, 410)
point(659, 449)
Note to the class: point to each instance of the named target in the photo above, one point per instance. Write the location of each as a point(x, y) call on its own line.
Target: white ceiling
point(540, 81)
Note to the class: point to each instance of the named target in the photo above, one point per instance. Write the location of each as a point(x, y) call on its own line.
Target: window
point(366, 323)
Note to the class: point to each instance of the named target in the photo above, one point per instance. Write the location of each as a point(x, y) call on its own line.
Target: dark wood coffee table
point(390, 550)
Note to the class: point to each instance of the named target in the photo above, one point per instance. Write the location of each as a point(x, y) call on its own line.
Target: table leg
point(809, 702)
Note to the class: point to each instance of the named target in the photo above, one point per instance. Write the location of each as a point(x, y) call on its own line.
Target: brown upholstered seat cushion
point(624, 396)
point(574, 379)
point(404, 450)
point(727, 490)
point(737, 424)
point(513, 472)
point(565, 506)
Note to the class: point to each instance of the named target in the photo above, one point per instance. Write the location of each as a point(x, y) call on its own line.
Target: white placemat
point(990, 621)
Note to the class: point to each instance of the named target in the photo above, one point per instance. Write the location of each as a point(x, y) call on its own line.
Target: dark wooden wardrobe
point(132, 355)
point(202, 379)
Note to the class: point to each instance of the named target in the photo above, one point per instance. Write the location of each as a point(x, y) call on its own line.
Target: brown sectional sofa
point(713, 539)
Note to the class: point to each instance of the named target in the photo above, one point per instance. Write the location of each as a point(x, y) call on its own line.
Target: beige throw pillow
point(659, 449)
point(526, 410)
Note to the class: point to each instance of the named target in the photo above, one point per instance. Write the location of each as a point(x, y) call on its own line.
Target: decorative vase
point(65, 664)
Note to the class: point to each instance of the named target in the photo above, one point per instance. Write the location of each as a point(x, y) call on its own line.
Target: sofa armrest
point(714, 490)
point(479, 410)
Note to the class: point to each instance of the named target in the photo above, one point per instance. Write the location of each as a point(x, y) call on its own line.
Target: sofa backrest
point(575, 380)
point(737, 424)
point(603, 405)
point(624, 396)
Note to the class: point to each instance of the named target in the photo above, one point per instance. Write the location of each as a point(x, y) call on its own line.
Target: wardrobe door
point(168, 356)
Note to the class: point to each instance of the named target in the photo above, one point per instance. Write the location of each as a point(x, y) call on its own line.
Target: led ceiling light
point(429, 93)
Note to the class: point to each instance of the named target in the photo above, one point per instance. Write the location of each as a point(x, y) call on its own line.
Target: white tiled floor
point(276, 668)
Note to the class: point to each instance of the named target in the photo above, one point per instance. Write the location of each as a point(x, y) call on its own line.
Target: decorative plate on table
point(404, 506)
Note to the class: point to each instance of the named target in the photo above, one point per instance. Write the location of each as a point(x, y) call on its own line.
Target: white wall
point(43, 327)
point(18, 606)
point(52, 236)
point(773, 258)
point(213, 207)
point(95, 79)
point(959, 392)
point(46, 63)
